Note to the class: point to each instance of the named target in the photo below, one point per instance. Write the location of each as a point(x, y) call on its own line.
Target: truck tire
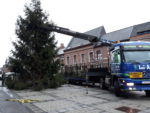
point(147, 92)
point(117, 89)
point(102, 83)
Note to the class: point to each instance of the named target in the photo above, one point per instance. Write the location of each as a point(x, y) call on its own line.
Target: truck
point(128, 66)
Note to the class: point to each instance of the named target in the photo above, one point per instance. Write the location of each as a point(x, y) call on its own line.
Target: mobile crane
point(129, 63)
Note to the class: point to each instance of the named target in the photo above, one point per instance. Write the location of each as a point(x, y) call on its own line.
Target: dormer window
point(143, 32)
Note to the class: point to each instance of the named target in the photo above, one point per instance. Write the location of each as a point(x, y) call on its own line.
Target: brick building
point(60, 53)
point(82, 52)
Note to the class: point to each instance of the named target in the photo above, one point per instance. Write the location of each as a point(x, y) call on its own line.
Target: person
point(3, 79)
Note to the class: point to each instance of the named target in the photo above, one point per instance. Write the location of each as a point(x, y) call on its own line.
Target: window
point(75, 59)
point(98, 55)
point(91, 56)
point(82, 58)
point(116, 57)
point(137, 56)
point(68, 60)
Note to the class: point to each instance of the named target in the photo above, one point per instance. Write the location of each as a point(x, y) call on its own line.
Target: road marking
point(22, 100)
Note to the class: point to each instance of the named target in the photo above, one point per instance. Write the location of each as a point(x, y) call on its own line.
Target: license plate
point(136, 75)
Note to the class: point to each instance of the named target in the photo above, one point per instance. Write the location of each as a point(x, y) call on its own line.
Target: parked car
point(10, 74)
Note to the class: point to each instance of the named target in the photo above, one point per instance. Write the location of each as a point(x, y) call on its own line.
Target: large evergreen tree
point(35, 49)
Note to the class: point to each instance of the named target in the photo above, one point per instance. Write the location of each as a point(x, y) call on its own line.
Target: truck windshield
point(137, 56)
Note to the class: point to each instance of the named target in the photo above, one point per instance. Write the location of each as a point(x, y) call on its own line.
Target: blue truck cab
point(130, 67)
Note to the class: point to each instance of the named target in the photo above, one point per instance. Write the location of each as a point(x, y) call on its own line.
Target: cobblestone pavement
point(73, 99)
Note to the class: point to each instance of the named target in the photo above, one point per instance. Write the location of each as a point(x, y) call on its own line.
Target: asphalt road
point(9, 106)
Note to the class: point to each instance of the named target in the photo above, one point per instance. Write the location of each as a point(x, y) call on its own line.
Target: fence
point(80, 70)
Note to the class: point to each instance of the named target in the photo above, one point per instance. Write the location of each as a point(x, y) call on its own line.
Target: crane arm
point(66, 31)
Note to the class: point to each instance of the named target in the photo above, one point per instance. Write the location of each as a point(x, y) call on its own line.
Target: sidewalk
point(73, 99)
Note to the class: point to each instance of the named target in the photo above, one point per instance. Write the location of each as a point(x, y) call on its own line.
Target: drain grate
point(128, 109)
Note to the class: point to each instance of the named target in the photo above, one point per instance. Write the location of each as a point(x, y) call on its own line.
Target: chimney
point(61, 46)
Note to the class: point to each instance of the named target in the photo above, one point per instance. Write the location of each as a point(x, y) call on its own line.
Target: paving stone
point(55, 105)
point(107, 96)
point(62, 110)
point(145, 111)
point(41, 98)
point(73, 99)
point(86, 110)
point(139, 103)
point(28, 93)
point(87, 100)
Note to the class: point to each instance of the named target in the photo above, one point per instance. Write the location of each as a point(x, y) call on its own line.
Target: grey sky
point(78, 15)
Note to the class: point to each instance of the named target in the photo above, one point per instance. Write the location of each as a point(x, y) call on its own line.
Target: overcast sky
point(77, 15)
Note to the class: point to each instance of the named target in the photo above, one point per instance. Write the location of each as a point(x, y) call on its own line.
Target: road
point(8, 106)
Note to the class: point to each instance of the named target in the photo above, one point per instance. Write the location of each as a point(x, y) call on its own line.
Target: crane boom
point(69, 32)
point(66, 31)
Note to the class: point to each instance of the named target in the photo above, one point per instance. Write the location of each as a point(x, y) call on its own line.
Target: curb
point(31, 106)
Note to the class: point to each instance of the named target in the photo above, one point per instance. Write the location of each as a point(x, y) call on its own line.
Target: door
point(115, 62)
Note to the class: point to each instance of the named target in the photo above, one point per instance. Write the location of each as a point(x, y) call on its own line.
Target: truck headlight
point(130, 84)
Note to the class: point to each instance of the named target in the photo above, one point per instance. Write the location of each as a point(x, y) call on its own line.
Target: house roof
point(76, 42)
point(140, 28)
point(125, 33)
point(122, 34)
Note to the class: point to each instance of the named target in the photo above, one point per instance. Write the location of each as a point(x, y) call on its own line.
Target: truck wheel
point(117, 89)
point(147, 92)
point(102, 83)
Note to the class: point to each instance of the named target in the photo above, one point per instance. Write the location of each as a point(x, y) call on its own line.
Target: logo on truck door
point(144, 67)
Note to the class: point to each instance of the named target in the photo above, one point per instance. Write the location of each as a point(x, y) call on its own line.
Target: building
point(60, 53)
point(82, 52)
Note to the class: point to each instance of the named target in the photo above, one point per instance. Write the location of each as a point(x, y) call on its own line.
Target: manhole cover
point(128, 109)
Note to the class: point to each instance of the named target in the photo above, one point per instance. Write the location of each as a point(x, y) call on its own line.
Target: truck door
point(115, 63)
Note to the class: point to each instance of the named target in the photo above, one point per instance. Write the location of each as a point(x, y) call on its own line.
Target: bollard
point(86, 84)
